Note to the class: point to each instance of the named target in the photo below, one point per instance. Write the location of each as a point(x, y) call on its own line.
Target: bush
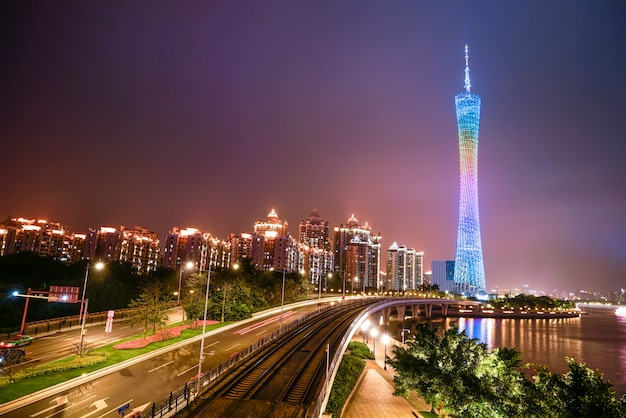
point(76, 363)
point(360, 350)
point(348, 374)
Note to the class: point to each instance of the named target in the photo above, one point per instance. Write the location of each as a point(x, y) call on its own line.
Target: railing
point(67, 322)
point(180, 398)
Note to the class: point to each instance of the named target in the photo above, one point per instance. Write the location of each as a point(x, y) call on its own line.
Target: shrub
point(49, 368)
point(360, 350)
point(348, 374)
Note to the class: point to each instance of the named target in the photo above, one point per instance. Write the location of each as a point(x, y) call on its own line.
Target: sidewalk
point(373, 395)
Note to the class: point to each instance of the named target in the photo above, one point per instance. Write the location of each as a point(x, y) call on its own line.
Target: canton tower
point(469, 271)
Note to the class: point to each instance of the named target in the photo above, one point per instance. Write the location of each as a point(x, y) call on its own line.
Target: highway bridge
point(244, 364)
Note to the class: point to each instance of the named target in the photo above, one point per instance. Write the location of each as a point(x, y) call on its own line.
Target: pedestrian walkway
point(373, 395)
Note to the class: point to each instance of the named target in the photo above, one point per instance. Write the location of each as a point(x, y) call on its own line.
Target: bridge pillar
point(375, 318)
point(386, 317)
point(401, 309)
point(415, 309)
point(429, 309)
point(444, 309)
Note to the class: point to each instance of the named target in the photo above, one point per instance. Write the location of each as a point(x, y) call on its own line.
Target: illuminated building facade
point(49, 239)
point(357, 255)
point(182, 246)
point(314, 232)
point(140, 247)
point(404, 269)
point(469, 270)
point(271, 246)
point(315, 258)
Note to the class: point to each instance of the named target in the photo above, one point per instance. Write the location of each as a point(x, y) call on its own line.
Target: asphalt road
point(61, 344)
point(102, 393)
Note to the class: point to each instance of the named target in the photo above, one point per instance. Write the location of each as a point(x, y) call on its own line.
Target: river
point(597, 339)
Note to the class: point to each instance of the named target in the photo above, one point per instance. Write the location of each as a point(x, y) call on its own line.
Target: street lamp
point(374, 334)
point(385, 339)
point(85, 303)
point(29, 294)
point(189, 265)
point(206, 306)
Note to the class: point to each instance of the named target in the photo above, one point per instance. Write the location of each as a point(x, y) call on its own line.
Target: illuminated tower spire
point(469, 271)
point(468, 85)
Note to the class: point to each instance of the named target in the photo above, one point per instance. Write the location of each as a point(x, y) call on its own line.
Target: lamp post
point(385, 339)
point(343, 285)
point(29, 294)
point(189, 265)
point(282, 301)
point(25, 310)
point(84, 304)
point(374, 334)
point(206, 306)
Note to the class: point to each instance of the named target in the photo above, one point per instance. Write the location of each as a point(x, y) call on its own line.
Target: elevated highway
point(160, 383)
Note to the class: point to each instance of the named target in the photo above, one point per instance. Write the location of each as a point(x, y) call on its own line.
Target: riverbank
point(514, 313)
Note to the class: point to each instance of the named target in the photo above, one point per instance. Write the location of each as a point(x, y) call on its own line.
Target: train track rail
point(284, 379)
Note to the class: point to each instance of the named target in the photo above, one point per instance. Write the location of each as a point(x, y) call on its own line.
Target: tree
point(194, 297)
point(457, 374)
point(581, 392)
point(13, 362)
point(150, 307)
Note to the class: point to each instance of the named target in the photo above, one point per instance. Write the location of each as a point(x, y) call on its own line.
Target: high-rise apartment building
point(357, 255)
point(271, 246)
point(314, 232)
point(404, 269)
point(314, 254)
point(48, 239)
point(137, 246)
point(182, 246)
point(140, 247)
point(469, 273)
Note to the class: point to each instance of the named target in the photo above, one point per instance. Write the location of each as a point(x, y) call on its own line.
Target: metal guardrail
point(68, 322)
point(180, 398)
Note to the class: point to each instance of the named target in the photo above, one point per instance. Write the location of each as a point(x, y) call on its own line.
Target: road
point(144, 381)
point(60, 344)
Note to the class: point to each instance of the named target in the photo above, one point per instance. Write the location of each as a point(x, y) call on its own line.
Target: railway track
point(284, 379)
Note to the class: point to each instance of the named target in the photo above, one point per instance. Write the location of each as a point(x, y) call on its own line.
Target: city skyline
point(207, 115)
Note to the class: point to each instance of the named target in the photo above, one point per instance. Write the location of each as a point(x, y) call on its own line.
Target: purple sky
point(210, 113)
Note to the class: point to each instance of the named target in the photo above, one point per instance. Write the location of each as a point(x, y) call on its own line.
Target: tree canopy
point(459, 376)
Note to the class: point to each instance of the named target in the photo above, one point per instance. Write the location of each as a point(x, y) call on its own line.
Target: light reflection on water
point(597, 339)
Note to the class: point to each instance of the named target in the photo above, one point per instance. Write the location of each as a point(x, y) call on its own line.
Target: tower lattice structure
point(469, 270)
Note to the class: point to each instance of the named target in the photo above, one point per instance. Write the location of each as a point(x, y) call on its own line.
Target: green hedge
point(350, 369)
point(59, 366)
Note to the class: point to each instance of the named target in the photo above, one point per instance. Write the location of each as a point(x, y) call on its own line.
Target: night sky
point(208, 114)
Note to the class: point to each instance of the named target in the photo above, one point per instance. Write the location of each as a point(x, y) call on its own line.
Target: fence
point(67, 322)
point(180, 398)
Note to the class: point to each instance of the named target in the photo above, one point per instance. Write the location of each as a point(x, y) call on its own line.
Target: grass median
point(71, 368)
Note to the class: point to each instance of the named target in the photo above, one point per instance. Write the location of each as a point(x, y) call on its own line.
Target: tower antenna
point(467, 78)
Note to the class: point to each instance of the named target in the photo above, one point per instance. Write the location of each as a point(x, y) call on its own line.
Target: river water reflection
point(597, 339)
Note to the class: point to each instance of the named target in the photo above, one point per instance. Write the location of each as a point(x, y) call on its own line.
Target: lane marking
point(230, 348)
point(163, 365)
point(210, 345)
point(188, 370)
point(262, 332)
point(70, 406)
